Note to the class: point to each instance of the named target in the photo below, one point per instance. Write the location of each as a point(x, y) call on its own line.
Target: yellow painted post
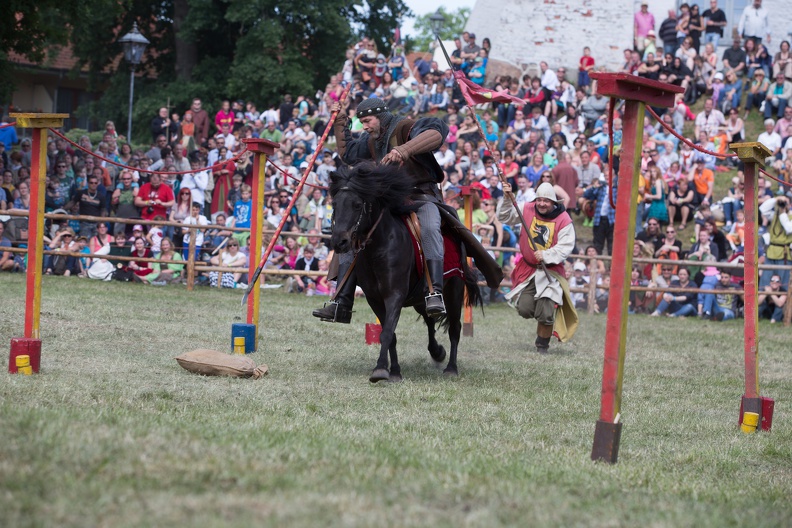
point(261, 148)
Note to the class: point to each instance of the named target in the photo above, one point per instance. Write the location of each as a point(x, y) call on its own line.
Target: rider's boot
point(435, 307)
point(339, 310)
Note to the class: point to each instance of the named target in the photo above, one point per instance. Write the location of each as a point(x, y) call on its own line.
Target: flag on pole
point(397, 36)
point(475, 94)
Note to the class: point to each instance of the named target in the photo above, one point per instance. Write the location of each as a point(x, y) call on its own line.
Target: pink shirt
point(643, 23)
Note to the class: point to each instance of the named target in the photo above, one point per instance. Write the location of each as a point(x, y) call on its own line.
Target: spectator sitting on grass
point(304, 283)
point(678, 304)
point(230, 257)
point(772, 300)
point(166, 273)
point(138, 268)
point(7, 262)
point(720, 306)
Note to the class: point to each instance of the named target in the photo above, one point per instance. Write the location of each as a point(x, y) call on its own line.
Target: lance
point(509, 194)
point(293, 200)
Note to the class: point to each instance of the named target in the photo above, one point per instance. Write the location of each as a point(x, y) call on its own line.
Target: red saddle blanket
point(452, 254)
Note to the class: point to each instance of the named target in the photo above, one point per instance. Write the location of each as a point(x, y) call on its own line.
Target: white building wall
point(524, 32)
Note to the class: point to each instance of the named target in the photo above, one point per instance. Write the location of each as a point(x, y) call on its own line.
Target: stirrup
point(332, 312)
point(435, 307)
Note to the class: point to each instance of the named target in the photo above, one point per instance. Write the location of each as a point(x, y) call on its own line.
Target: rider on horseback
point(391, 139)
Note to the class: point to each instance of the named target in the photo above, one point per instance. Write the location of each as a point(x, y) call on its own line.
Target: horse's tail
point(471, 286)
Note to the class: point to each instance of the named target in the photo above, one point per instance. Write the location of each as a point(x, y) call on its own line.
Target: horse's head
point(349, 209)
point(359, 195)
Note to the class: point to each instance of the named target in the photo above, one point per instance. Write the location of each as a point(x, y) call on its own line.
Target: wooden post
point(261, 148)
point(467, 317)
point(788, 305)
point(637, 92)
point(191, 260)
point(38, 183)
point(751, 154)
point(592, 293)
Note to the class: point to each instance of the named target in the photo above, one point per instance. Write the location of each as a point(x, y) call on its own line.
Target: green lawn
point(114, 433)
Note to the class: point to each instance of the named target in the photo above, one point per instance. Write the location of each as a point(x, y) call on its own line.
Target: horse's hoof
point(439, 355)
point(451, 372)
point(395, 378)
point(379, 375)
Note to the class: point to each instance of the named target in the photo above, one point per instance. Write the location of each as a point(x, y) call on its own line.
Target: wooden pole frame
point(751, 154)
point(637, 93)
point(261, 148)
point(38, 183)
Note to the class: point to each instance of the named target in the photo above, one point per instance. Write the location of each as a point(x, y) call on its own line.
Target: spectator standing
point(201, 119)
point(604, 214)
point(643, 22)
point(778, 250)
point(715, 21)
point(224, 116)
point(668, 32)
point(162, 125)
point(8, 135)
point(154, 198)
point(586, 65)
point(754, 22)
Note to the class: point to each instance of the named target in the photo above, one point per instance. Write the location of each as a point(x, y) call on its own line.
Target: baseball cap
point(137, 227)
point(579, 266)
point(471, 35)
point(719, 76)
point(304, 165)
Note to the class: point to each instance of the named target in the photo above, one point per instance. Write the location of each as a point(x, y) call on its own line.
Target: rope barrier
point(6, 125)
point(147, 171)
point(283, 171)
point(685, 140)
point(705, 151)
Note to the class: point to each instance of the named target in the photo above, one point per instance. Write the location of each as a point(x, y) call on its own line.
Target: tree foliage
point(250, 49)
point(453, 27)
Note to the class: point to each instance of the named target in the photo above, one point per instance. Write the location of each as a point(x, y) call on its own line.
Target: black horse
point(377, 196)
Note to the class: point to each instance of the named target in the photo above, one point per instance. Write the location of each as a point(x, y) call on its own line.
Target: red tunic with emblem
point(544, 233)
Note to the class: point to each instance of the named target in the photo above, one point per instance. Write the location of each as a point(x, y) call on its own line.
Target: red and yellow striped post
point(637, 92)
point(752, 154)
point(31, 343)
point(261, 148)
point(38, 184)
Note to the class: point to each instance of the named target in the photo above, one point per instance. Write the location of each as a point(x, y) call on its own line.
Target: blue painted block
point(248, 331)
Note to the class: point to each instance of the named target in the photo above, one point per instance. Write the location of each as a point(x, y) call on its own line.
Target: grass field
point(115, 433)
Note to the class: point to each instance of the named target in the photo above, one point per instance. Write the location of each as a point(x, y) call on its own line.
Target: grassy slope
point(114, 433)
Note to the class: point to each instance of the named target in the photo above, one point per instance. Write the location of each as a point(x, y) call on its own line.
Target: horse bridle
point(361, 244)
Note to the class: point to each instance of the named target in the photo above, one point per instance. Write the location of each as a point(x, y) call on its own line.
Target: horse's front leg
point(435, 349)
point(387, 342)
point(454, 307)
point(395, 368)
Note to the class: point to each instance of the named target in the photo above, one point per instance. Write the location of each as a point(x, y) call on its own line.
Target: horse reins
point(360, 247)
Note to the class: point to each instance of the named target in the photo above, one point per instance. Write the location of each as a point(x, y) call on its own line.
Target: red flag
point(475, 94)
point(397, 36)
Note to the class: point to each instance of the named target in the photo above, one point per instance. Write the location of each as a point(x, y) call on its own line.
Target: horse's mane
point(388, 185)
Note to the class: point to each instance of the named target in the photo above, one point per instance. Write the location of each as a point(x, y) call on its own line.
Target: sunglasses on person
point(775, 280)
point(667, 269)
point(233, 245)
point(670, 231)
point(67, 236)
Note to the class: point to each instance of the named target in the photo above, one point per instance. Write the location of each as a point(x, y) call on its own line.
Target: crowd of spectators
point(560, 135)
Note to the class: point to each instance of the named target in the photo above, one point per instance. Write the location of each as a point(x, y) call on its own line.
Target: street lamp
point(134, 44)
point(437, 19)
